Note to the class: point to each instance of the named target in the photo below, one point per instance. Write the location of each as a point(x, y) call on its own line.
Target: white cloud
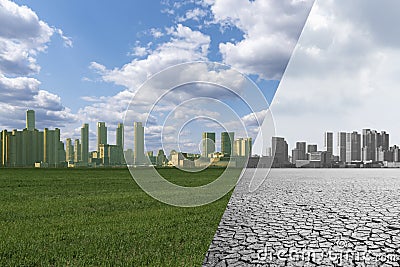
point(184, 45)
point(342, 76)
point(22, 36)
point(270, 32)
point(22, 93)
point(195, 14)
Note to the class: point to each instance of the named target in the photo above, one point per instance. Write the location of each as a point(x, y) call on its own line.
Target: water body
point(311, 217)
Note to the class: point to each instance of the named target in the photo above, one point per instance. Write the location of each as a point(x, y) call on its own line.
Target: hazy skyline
point(343, 75)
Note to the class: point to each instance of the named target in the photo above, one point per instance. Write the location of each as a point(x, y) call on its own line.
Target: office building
point(101, 134)
point(312, 148)
point(30, 120)
point(301, 146)
point(353, 147)
point(227, 139)
point(208, 144)
point(279, 151)
point(110, 155)
point(341, 143)
point(328, 142)
point(138, 152)
point(77, 151)
point(120, 136)
point(52, 148)
point(69, 150)
point(84, 145)
point(243, 147)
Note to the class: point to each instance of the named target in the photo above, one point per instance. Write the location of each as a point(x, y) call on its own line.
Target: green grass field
point(99, 217)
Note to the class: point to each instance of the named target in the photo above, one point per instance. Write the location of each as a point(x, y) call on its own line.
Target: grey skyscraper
point(384, 141)
point(138, 152)
point(101, 134)
point(370, 145)
point(312, 148)
point(341, 143)
point(301, 146)
point(85, 143)
point(353, 147)
point(30, 120)
point(328, 142)
point(227, 139)
point(208, 144)
point(279, 150)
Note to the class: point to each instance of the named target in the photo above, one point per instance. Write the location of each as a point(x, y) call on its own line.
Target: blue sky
point(77, 62)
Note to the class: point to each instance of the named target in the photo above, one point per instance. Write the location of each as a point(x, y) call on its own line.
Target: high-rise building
point(312, 148)
point(370, 144)
point(51, 147)
point(30, 120)
point(85, 143)
point(101, 134)
point(342, 146)
point(138, 152)
point(227, 139)
point(328, 142)
point(208, 144)
point(120, 136)
point(301, 146)
point(279, 150)
point(69, 150)
point(383, 141)
point(353, 147)
point(77, 151)
point(243, 147)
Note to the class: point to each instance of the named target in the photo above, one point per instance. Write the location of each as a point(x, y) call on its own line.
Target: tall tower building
point(101, 134)
point(280, 150)
point(120, 142)
point(342, 146)
point(384, 141)
point(85, 143)
point(328, 142)
point(243, 147)
point(51, 147)
point(370, 145)
point(138, 152)
point(301, 146)
point(30, 120)
point(208, 144)
point(120, 136)
point(353, 147)
point(77, 151)
point(227, 139)
point(69, 150)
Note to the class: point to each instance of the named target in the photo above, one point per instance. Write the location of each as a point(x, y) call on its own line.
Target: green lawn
point(100, 217)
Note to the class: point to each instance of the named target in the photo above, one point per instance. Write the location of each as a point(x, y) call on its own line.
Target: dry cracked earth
point(312, 218)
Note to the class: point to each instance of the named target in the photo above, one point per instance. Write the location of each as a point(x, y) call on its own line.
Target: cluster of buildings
point(234, 152)
point(31, 147)
point(369, 148)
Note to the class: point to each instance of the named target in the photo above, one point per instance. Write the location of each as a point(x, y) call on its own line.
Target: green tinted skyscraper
point(227, 139)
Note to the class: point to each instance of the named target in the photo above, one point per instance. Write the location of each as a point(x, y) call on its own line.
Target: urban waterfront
point(312, 217)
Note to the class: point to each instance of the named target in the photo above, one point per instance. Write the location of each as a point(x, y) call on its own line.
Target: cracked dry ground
point(325, 217)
